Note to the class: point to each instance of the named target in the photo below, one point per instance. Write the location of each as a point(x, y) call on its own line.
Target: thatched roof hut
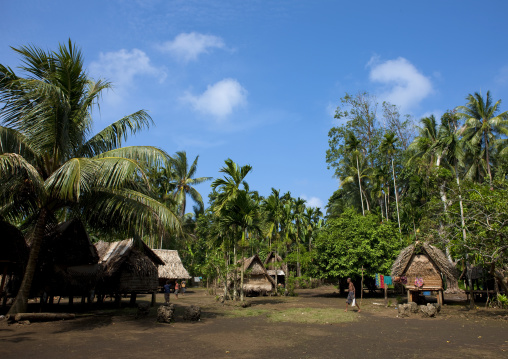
point(172, 269)
point(13, 257)
point(273, 263)
point(256, 279)
point(129, 266)
point(422, 260)
point(68, 262)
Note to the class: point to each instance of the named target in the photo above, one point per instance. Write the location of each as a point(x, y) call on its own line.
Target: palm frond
point(111, 137)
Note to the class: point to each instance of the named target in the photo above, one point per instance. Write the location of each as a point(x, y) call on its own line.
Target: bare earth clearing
point(312, 325)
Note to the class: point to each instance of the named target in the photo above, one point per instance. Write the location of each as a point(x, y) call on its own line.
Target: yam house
point(13, 257)
point(129, 267)
point(256, 279)
point(422, 267)
point(68, 263)
point(173, 268)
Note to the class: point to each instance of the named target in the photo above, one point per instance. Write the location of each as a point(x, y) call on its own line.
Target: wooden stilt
point(133, 299)
point(154, 299)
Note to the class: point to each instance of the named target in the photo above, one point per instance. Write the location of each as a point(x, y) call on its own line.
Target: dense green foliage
point(352, 241)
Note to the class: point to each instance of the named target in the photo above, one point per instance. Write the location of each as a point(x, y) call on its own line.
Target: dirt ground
point(230, 331)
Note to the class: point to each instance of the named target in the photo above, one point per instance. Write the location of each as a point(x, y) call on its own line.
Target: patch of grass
point(244, 312)
point(313, 316)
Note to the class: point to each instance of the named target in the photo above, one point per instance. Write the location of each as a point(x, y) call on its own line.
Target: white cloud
point(405, 85)
point(313, 202)
point(122, 66)
point(188, 46)
point(219, 99)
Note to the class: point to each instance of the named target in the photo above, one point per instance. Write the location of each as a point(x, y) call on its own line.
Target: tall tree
point(227, 190)
point(483, 124)
point(51, 163)
point(183, 181)
point(353, 147)
point(388, 147)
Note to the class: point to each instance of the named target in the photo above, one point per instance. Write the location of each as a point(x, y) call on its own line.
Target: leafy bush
point(347, 243)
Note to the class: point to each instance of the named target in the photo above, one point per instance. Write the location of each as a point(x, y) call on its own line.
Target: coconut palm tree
point(483, 124)
point(422, 145)
point(388, 147)
point(354, 146)
point(229, 186)
point(52, 165)
point(183, 181)
point(300, 222)
point(451, 148)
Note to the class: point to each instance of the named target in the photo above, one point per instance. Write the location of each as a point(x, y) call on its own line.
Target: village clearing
point(311, 325)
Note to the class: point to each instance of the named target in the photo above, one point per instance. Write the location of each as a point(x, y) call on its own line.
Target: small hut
point(256, 279)
point(275, 266)
point(13, 257)
point(423, 267)
point(172, 269)
point(68, 262)
point(129, 266)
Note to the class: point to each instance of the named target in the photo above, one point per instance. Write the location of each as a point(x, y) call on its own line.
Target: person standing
point(351, 295)
point(167, 291)
point(177, 289)
point(183, 287)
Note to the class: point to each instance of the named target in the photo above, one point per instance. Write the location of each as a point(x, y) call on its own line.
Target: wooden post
point(440, 298)
point(118, 300)
point(408, 296)
point(386, 295)
point(154, 299)
point(3, 280)
point(361, 293)
point(133, 298)
point(71, 300)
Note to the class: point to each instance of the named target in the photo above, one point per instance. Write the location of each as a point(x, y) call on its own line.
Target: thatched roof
point(254, 266)
point(172, 267)
point(272, 261)
point(437, 257)
point(69, 244)
point(113, 254)
point(68, 261)
point(13, 248)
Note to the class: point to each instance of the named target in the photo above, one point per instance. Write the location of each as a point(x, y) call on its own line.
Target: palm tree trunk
point(381, 207)
point(360, 184)
point(487, 158)
point(464, 237)
point(21, 301)
point(396, 196)
point(367, 202)
point(386, 207)
point(235, 276)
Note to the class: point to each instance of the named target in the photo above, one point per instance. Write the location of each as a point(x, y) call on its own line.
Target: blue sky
point(258, 81)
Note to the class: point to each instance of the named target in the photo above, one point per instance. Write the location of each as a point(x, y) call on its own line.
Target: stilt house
point(423, 268)
point(68, 262)
point(173, 268)
point(129, 266)
point(256, 279)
